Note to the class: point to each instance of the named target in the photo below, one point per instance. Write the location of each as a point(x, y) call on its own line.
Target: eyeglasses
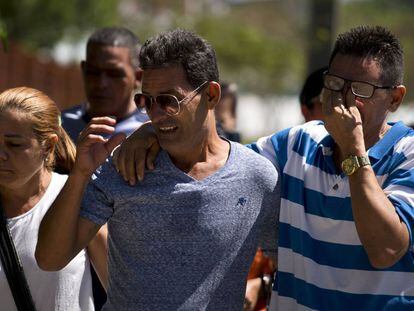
point(167, 102)
point(358, 88)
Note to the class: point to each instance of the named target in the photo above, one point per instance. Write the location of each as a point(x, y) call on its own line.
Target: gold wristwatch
point(352, 163)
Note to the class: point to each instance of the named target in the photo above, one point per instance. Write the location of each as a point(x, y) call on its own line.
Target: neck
point(373, 139)
point(205, 159)
point(20, 199)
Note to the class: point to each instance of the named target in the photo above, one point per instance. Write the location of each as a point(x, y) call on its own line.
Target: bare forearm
point(98, 255)
point(381, 231)
point(62, 233)
point(57, 240)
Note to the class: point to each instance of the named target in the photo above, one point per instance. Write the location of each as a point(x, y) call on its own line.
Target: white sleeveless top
point(67, 289)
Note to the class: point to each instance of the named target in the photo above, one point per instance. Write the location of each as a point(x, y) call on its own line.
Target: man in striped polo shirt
point(346, 215)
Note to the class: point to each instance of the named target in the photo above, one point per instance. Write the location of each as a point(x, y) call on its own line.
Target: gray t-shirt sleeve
point(270, 227)
point(267, 181)
point(97, 204)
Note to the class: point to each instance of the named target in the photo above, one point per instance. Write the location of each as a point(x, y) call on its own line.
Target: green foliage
point(256, 45)
point(3, 35)
point(256, 60)
point(260, 45)
point(41, 23)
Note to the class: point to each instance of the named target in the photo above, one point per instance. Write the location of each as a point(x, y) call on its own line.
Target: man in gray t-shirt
point(184, 238)
point(183, 243)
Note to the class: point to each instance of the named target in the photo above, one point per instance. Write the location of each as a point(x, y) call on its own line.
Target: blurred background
point(265, 47)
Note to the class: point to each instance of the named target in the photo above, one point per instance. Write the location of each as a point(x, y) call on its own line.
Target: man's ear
point(398, 94)
point(138, 78)
point(213, 92)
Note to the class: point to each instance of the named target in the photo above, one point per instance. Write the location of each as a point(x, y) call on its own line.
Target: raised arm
point(63, 233)
point(382, 232)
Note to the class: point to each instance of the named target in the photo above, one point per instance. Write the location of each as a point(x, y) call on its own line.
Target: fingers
point(106, 124)
point(95, 144)
point(134, 165)
point(334, 102)
point(131, 160)
point(139, 167)
point(342, 118)
point(100, 125)
point(125, 161)
point(152, 154)
point(129, 166)
point(337, 100)
point(97, 129)
point(119, 159)
point(354, 111)
point(146, 160)
point(325, 99)
point(132, 154)
point(114, 141)
point(92, 139)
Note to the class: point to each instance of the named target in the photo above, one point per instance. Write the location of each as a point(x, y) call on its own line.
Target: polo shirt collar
point(395, 133)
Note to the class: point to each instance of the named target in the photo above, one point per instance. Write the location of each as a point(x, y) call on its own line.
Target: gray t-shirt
point(176, 243)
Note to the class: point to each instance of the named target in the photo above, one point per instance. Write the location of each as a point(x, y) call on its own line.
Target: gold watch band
point(362, 161)
point(352, 163)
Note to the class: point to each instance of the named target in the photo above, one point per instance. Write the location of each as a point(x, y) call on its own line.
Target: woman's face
point(22, 157)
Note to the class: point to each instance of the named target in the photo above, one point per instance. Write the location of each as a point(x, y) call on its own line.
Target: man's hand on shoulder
point(136, 153)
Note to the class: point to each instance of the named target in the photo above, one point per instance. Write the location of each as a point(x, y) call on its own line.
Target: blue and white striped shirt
point(322, 264)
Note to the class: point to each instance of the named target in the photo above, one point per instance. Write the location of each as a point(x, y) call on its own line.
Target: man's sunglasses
point(167, 102)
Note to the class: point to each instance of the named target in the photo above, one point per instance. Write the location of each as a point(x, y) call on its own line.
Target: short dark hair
point(377, 43)
point(119, 37)
point(181, 47)
point(313, 87)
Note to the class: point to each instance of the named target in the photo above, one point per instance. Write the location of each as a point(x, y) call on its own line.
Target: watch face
point(348, 166)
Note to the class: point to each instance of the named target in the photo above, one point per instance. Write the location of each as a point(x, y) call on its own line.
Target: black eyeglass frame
point(346, 81)
point(179, 102)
